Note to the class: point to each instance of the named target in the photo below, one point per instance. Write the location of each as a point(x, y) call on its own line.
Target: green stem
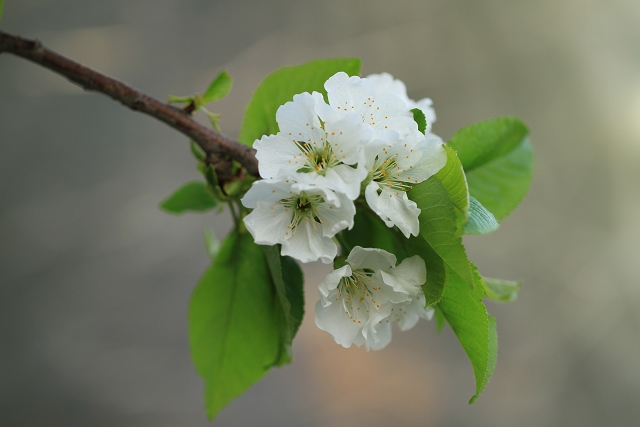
point(236, 219)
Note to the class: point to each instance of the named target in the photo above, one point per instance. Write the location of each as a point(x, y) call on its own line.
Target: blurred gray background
point(95, 280)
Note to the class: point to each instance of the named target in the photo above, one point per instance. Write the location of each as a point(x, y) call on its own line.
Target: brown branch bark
point(213, 143)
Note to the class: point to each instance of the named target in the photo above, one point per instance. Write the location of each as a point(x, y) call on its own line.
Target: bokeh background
point(95, 280)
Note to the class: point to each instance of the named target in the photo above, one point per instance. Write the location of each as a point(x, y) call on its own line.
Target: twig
point(210, 141)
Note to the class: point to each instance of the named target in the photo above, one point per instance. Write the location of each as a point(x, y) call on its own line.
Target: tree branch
point(212, 142)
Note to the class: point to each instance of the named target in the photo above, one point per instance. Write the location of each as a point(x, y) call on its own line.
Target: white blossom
point(356, 298)
point(393, 169)
point(324, 150)
point(299, 215)
point(384, 112)
point(405, 314)
point(385, 83)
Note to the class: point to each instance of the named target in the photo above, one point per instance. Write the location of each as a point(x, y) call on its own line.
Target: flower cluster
point(364, 141)
point(360, 300)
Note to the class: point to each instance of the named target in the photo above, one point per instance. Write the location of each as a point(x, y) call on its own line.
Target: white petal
point(347, 135)
point(373, 258)
point(332, 280)
point(299, 120)
point(433, 158)
point(402, 212)
point(307, 244)
point(336, 218)
point(375, 148)
point(385, 83)
point(278, 155)
point(382, 112)
point(346, 179)
point(334, 320)
point(267, 191)
point(341, 179)
point(388, 112)
point(372, 197)
point(268, 223)
point(378, 340)
point(313, 183)
point(407, 277)
point(346, 92)
point(408, 314)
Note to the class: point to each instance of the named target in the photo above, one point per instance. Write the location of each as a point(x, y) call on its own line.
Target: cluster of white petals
point(360, 300)
point(363, 143)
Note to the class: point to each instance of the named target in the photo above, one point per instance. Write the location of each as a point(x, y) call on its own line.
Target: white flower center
point(386, 172)
point(318, 158)
point(358, 294)
point(303, 207)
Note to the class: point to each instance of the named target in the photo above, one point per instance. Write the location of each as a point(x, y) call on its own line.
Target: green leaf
point(219, 87)
point(369, 231)
point(293, 279)
point(439, 226)
point(492, 356)
point(485, 141)
point(209, 172)
point(481, 221)
point(501, 290)
point(498, 160)
point(211, 243)
point(1, 7)
point(501, 185)
point(197, 152)
point(193, 196)
point(420, 119)
point(463, 308)
point(454, 181)
point(440, 319)
point(233, 329)
point(279, 88)
point(289, 286)
point(436, 274)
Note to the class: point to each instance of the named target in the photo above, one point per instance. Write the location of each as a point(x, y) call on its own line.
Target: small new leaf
point(481, 221)
point(209, 173)
point(219, 88)
point(501, 290)
point(194, 196)
point(197, 152)
point(420, 119)
point(214, 119)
